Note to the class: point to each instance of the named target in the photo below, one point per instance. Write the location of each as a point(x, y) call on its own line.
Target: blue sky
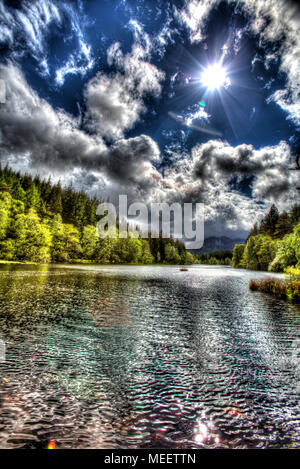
point(123, 79)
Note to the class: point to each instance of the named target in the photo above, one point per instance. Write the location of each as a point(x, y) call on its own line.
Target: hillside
point(273, 245)
point(44, 222)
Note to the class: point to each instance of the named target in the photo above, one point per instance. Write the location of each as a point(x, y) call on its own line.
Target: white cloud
point(281, 97)
point(194, 15)
point(206, 176)
point(140, 36)
point(199, 113)
point(27, 28)
point(279, 20)
point(78, 63)
point(81, 60)
point(35, 135)
point(115, 102)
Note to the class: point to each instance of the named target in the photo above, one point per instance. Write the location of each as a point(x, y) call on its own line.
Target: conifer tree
point(268, 224)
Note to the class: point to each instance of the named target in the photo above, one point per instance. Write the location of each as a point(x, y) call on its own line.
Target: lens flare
point(51, 445)
point(193, 126)
point(214, 76)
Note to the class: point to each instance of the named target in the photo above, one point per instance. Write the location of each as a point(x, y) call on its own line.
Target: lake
point(146, 357)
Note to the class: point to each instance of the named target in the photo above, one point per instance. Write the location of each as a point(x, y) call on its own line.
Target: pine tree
point(295, 215)
point(254, 231)
point(32, 196)
point(268, 224)
point(55, 199)
point(283, 225)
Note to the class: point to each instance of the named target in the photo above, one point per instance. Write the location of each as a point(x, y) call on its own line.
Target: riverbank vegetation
point(44, 222)
point(215, 258)
point(273, 245)
point(288, 289)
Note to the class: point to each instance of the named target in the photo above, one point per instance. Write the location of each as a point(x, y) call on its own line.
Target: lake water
point(146, 357)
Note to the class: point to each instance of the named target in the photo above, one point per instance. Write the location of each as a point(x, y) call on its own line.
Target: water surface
point(146, 357)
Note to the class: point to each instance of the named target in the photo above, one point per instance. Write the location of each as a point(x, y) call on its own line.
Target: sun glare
point(214, 76)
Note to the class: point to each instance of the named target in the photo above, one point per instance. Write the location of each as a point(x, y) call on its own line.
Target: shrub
point(286, 290)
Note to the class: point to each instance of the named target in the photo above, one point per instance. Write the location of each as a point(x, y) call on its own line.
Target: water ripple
point(146, 357)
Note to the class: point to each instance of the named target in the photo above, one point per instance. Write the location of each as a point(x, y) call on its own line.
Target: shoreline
point(4, 262)
point(285, 289)
point(88, 262)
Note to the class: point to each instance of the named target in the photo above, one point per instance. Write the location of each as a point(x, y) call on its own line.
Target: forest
point(273, 245)
point(215, 258)
point(44, 222)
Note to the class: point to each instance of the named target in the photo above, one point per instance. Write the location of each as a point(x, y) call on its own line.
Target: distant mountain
point(214, 243)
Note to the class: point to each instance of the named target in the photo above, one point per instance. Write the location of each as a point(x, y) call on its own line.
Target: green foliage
point(295, 215)
point(32, 238)
point(268, 224)
point(43, 222)
point(104, 251)
point(147, 257)
point(65, 244)
point(215, 258)
point(283, 226)
point(288, 252)
point(293, 273)
point(5, 209)
point(55, 199)
point(72, 241)
point(89, 241)
point(274, 245)
point(33, 198)
point(266, 251)
point(46, 198)
point(187, 258)
point(171, 255)
point(259, 252)
point(8, 249)
point(277, 225)
point(237, 255)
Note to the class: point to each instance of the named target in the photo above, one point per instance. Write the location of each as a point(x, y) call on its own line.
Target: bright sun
point(214, 76)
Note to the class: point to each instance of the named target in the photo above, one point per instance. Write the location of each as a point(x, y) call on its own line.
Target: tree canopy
point(272, 245)
point(44, 222)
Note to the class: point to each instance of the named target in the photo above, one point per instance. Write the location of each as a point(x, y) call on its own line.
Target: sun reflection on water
point(205, 433)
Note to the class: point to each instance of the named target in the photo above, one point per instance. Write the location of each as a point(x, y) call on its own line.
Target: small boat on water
point(184, 269)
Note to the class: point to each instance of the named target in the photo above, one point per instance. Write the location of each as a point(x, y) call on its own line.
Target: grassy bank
point(17, 262)
point(285, 289)
point(89, 262)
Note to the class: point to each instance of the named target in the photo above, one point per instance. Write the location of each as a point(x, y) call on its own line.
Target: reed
point(289, 290)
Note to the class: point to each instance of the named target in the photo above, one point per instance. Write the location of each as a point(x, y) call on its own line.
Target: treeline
point(215, 258)
point(43, 222)
point(272, 245)
point(74, 207)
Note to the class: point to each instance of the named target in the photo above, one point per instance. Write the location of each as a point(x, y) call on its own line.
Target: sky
point(164, 101)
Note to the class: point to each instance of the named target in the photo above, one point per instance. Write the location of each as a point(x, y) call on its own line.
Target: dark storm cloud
point(51, 139)
point(125, 157)
point(217, 158)
point(218, 161)
point(207, 175)
point(29, 125)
